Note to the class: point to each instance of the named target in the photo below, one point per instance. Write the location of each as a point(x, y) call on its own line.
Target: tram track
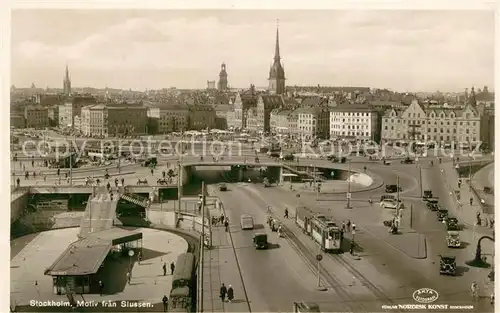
point(334, 282)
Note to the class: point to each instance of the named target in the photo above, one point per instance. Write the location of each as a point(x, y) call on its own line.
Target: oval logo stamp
point(425, 295)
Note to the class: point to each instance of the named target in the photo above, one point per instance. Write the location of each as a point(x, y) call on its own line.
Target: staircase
point(140, 202)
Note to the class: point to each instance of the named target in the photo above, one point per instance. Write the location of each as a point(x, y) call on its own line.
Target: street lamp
point(478, 261)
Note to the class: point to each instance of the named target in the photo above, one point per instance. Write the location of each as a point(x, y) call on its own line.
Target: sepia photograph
point(243, 160)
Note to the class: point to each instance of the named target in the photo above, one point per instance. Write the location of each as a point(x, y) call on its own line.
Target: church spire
point(277, 57)
point(67, 82)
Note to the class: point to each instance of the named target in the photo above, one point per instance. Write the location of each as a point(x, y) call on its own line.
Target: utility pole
point(411, 216)
point(348, 195)
point(202, 243)
point(420, 180)
point(397, 196)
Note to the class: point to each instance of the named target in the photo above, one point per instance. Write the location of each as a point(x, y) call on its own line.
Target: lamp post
point(348, 195)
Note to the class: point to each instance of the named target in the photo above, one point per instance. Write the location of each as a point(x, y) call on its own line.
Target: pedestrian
point(164, 300)
point(164, 269)
point(101, 287)
point(351, 248)
point(172, 268)
point(129, 277)
point(471, 200)
point(353, 227)
point(230, 294)
point(348, 225)
point(152, 171)
point(226, 225)
point(123, 181)
point(492, 298)
point(18, 182)
point(343, 226)
point(222, 219)
point(286, 212)
point(58, 172)
point(223, 292)
point(139, 255)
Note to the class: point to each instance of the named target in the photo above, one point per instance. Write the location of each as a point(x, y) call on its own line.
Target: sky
point(151, 49)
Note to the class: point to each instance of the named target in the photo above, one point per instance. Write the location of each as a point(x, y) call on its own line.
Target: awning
point(289, 175)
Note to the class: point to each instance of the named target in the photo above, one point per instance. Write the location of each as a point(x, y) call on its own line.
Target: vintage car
point(451, 223)
point(392, 188)
point(390, 204)
point(223, 187)
point(453, 239)
point(427, 194)
point(448, 265)
point(442, 214)
point(289, 157)
point(407, 160)
point(432, 204)
point(260, 241)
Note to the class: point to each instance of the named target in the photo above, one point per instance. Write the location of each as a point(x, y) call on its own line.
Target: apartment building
point(36, 116)
point(349, 121)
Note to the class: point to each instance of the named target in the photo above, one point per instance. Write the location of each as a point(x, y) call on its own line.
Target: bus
point(246, 222)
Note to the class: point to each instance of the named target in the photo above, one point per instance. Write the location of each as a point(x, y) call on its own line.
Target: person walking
point(223, 292)
point(348, 225)
point(101, 287)
point(164, 300)
point(230, 294)
point(164, 269)
point(226, 225)
point(139, 255)
point(474, 290)
point(152, 171)
point(18, 181)
point(471, 201)
point(129, 277)
point(286, 212)
point(123, 181)
point(172, 268)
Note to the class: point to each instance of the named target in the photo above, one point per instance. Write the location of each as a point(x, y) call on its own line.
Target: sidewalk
point(463, 210)
point(220, 266)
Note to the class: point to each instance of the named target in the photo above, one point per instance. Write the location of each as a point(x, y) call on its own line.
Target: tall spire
point(67, 72)
point(277, 48)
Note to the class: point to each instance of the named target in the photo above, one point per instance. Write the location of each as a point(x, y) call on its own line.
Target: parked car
point(223, 187)
point(392, 188)
point(452, 223)
point(442, 214)
point(427, 194)
point(453, 239)
point(407, 160)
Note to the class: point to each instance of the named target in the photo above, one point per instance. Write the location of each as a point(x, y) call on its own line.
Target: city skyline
point(399, 50)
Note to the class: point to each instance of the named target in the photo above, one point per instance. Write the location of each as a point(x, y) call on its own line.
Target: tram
point(320, 228)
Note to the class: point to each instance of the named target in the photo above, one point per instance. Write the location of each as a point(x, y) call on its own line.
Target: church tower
point(67, 83)
point(222, 85)
point(277, 73)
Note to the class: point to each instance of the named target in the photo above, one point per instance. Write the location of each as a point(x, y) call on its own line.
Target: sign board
point(319, 257)
point(348, 195)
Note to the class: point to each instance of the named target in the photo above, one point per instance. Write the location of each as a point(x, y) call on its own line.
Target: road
point(273, 278)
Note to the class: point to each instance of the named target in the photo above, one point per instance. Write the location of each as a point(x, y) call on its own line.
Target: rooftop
point(85, 256)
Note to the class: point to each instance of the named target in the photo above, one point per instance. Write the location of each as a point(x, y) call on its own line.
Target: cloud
point(393, 49)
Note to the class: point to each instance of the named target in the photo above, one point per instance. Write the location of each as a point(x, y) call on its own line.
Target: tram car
point(302, 219)
point(183, 284)
point(326, 232)
point(320, 228)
